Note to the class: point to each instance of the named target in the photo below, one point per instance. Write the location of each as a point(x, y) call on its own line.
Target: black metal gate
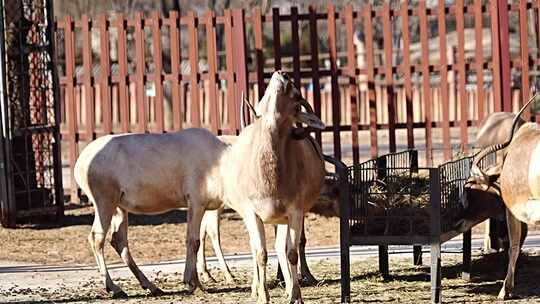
point(31, 180)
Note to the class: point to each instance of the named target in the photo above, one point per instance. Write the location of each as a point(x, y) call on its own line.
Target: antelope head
point(282, 103)
point(483, 178)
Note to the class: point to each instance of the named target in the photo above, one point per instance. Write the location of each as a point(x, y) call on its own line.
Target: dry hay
point(400, 205)
point(401, 191)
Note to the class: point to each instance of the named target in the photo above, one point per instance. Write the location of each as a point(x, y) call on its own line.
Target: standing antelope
point(268, 177)
point(148, 174)
point(519, 177)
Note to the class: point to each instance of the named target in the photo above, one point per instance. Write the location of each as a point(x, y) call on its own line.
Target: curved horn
point(306, 105)
point(484, 152)
point(243, 103)
point(242, 116)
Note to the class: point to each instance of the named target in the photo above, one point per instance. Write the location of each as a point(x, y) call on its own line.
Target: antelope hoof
point(119, 294)
point(297, 301)
point(503, 295)
point(157, 292)
point(263, 300)
point(205, 277)
point(229, 279)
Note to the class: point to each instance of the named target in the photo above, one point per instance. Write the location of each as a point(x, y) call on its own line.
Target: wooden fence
point(131, 74)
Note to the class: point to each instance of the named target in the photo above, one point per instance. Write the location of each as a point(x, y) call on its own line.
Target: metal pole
point(57, 159)
point(6, 196)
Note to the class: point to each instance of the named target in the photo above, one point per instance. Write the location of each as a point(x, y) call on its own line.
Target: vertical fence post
point(240, 60)
point(314, 45)
point(174, 32)
point(426, 88)
point(390, 96)
point(447, 149)
point(524, 56)
point(71, 111)
point(194, 65)
point(353, 86)
point(371, 96)
point(336, 105)
point(158, 68)
point(479, 59)
point(231, 104)
point(258, 30)
point(88, 78)
point(105, 74)
point(123, 82)
point(212, 68)
point(407, 73)
point(504, 53)
point(464, 103)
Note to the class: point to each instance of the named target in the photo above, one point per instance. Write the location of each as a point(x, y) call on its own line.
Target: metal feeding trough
point(389, 200)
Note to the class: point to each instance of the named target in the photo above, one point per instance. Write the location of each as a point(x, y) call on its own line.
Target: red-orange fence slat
point(158, 69)
point(194, 67)
point(353, 87)
point(123, 83)
point(88, 78)
point(368, 28)
point(105, 74)
point(462, 77)
point(390, 97)
point(314, 47)
point(140, 84)
point(447, 150)
point(277, 39)
point(407, 73)
point(71, 110)
point(426, 89)
point(174, 33)
point(240, 60)
point(524, 45)
point(259, 54)
point(336, 105)
point(497, 91)
point(504, 42)
point(212, 68)
point(231, 104)
point(479, 59)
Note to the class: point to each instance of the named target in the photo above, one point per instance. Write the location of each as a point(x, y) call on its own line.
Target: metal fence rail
point(131, 73)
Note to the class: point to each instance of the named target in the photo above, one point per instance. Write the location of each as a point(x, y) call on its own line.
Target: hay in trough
point(410, 190)
point(400, 205)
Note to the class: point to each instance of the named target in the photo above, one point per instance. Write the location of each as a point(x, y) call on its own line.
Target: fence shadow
point(86, 219)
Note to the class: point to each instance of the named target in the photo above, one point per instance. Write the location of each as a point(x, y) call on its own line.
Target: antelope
point(519, 178)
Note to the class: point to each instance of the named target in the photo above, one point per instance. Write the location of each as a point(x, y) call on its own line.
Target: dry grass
point(408, 284)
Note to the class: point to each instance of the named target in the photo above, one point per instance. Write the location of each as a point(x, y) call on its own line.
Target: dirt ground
point(151, 238)
point(161, 238)
point(407, 284)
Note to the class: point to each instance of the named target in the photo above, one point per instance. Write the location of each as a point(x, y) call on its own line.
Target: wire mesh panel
point(452, 177)
point(30, 126)
point(391, 196)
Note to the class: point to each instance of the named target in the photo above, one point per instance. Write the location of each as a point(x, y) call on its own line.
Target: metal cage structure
point(389, 200)
point(31, 180)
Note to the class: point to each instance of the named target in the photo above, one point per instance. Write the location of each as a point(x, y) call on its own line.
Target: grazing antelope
point(519, 178)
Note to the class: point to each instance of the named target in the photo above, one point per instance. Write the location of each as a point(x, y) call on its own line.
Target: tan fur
point(519, 189)
point(494, 129)
point(269, 177)
point(150, 173)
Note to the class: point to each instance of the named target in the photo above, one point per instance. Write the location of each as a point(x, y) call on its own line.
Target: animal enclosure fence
point(368, 71)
